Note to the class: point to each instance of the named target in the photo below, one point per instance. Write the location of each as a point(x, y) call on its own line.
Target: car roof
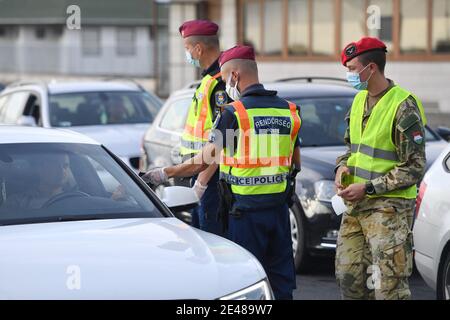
point(20, 134)
point(295, 90)
point(55, 87)
point(311, 90)
point(183, 92)
point(90, 86)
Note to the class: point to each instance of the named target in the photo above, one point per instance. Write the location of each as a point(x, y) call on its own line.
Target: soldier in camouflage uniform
point(374, 250)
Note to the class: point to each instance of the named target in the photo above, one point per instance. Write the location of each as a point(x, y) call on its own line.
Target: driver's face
point(54, 172)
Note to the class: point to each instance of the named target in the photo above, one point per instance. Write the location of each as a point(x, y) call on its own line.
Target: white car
point(115, 113)
point(432, 227)
point(77, 223)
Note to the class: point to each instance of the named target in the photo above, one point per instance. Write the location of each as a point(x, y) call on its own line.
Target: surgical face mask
point(233, 92)
point(354, 79)
point(191, 60)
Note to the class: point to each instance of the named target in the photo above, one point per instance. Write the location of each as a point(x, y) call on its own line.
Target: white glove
point(199, 189)
point(155, 176)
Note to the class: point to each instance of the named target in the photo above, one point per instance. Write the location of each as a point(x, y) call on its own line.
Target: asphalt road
point(319, 284)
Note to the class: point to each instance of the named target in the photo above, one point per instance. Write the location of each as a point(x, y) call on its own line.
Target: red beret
point(366, 44)
point(237, 52)
point(198, 28)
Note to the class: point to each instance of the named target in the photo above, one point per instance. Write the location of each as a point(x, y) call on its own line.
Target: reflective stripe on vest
point(373, 153)
point(199, 120)
point(253, 181)
point(264, 151)
point(192, 145)
point(245, 160)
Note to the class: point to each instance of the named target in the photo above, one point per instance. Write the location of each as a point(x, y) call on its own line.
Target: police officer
point(202, 50)
point(258, 136)
point(377, 177)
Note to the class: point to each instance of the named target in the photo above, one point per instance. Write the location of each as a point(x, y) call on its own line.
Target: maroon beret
point(237, 52)
point(198, 28)
point(366, 44)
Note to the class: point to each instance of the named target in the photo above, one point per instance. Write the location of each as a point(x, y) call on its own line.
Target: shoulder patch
point(220, 98)
point(408, 122)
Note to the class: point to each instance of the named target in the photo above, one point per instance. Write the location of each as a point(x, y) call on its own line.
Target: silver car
point(115, 113)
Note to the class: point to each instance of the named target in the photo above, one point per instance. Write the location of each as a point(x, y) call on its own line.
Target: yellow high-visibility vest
point(263, 157)
point(373, 153)
point(199, 120)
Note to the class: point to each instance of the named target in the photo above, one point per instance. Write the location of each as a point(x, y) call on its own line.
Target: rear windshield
point(101, 108)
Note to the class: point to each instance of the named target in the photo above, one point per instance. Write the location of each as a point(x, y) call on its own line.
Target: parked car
point(2, 86)
point(77, 223)
point(444, 132)
point(115, 113)
point(432, 227)
point(324, 103)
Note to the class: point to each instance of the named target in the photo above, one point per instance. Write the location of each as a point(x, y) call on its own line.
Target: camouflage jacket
point(410, 150)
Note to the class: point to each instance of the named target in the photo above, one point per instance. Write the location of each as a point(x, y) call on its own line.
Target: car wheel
point(443, 284)
point(301, 256)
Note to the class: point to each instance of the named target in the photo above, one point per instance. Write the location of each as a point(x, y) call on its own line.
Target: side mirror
point(179, 198)
point(444, 132)
point(28, 121)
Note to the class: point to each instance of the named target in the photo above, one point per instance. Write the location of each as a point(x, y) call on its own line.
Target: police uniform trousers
point(204, 216)
point(267, 235)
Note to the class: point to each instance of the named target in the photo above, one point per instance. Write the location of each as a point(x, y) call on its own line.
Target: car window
point(32, 108)
point(175, 117)
point(54, 182)
point(13, 108)
point(324, 115)
point(101, 108)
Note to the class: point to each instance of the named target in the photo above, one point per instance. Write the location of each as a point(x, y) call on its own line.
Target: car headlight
point(315, 198)
point(325, 190)
point(258, 291)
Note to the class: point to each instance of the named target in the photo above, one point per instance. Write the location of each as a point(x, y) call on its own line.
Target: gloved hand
point(155, 176)
point(199, 189)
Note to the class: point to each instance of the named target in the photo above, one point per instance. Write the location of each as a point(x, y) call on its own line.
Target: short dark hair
point(375, 56)
point(208, 41)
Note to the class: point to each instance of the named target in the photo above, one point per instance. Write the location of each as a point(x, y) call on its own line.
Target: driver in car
point(53, 173)
point(117, 112)
point(53, 179)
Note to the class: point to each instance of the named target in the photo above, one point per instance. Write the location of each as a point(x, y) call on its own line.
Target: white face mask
point(233, 92)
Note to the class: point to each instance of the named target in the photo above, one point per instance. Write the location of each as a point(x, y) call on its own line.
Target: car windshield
point(48, 182)
point(323, 121)
point(101, 108)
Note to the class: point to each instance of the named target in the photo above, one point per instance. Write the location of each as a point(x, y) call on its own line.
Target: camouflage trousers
point(374, 254)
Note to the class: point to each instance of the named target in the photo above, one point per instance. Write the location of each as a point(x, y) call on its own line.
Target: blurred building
point(293, 38)
point(116, 38)
point(305, 37)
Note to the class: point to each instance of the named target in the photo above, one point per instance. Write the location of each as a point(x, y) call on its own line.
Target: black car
point(324, 103)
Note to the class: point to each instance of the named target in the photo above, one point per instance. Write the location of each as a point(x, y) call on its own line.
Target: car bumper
point(425, 265)
point(322, 232)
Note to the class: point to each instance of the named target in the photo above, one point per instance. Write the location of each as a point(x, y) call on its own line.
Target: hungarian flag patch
point(417, 137)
